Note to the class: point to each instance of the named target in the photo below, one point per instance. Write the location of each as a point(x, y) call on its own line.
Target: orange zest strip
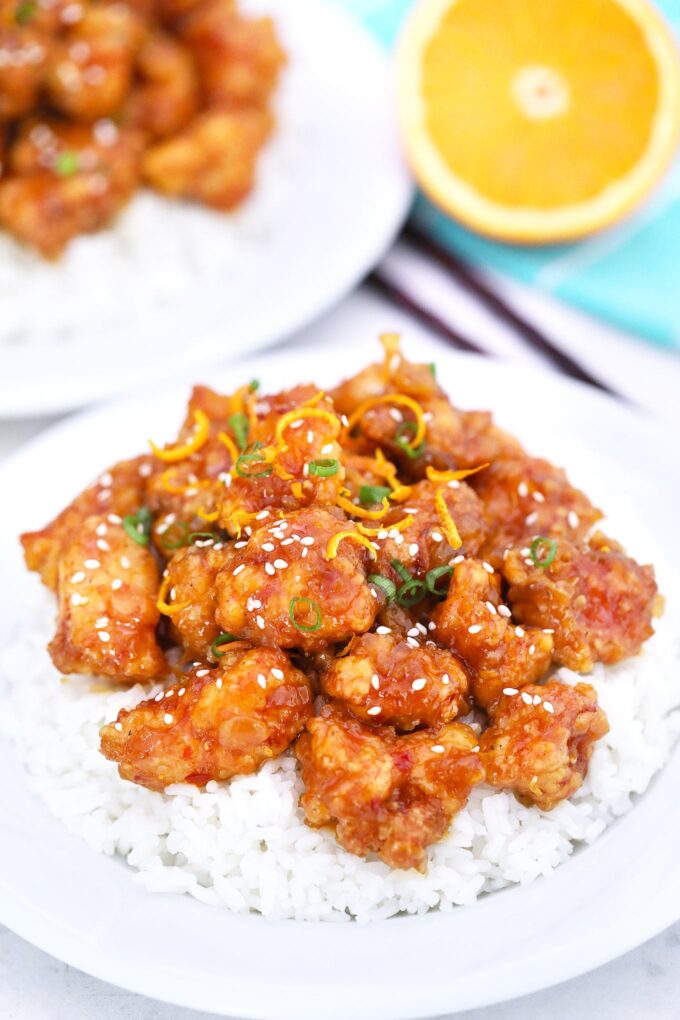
point(401, 493)
point(401, 525)
point(343, 500)
point(391, 398)
point(297, 490)
point(230, 445)
point(165, 607)
point(205, 516)
point(199, 438)
point(385, 469)
point(300, 413)
point(351, 536)
point(237, 521)
point(313, 401)
point(448, 526)
point(452, 476)
point(180, 490)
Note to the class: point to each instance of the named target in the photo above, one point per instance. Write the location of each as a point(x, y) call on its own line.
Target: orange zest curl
point(205, 515)
point(238, 520)
point(401, 493)
point(452, 476)
point(343, 500)
point(313, 401)
point(168, 609)
point(298, 414)
point(181, 490)
point(401, 525)
point(392, 398)
point(351, 536)
point(184, 450)
point(297, 490)
point(230, 445)
point(448, 525)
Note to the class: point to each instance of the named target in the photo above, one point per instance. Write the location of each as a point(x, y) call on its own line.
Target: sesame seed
point(305, 471)
point(238, 569)
point(106, 479)
point(413, 632)
point(114, 519)
point(202, 672)
point(267, 546)
point(344, 419)
point(510, 691)
point(418, 684)
point(395, 414)
point(168, 719)
point(519, 631)
point(436, 537)
point(573, 519)
point(537, 699)
point(159, 697)
point(181, 692)
point(531, 518)
point(277, 673)
point(539, 497)
point(104, 635)
point(446, 679)
point(124, 562)
point(269, 569)
point(103, 545)
point(375, 681)
point(296, 424)
point(487, 566)
point(490, 606)
point(532, 649)
point(288, 541)
point(504, 611)
point(77, 599)
point(262, 514)
point(383, 630)
point(522, 489)
point(310, 436)
point(548, 706)
point(118, 726)
point(328, 448)
point(475, 628)
point(100, 529)
point(116, 584)
point(262, 680)
point(259, 620)
point(78, 577)
point(376, 710)
point(437, 748)
point(218, 683)
point(412, 643)
point(103, 495)
point(398, 539)
point(453, 484)
point(304, 552)
point(525, 552)
point(382, 535)
point(527, 699)
point(169, 693)
point(92, 564)
point(432, 625)
point(280, 564)
point(548, 630)
point(241, 545)
point(308, 540)
point(413, 549)
point(101, 622)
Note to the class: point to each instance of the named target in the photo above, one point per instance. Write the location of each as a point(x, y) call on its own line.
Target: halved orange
point(538, 120)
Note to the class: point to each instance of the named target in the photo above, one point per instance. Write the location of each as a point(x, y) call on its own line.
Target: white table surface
point(643, 984)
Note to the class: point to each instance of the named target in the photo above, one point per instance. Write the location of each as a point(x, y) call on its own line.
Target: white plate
point(86, 910)
point(343, 196)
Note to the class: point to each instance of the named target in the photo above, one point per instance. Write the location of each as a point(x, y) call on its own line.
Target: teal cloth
point(628, 275)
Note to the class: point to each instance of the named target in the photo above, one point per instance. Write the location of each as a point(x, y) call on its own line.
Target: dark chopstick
point(400, 297)
point(471, 281)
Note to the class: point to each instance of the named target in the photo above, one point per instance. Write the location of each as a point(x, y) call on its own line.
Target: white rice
point(243, 845)
point(151, 259)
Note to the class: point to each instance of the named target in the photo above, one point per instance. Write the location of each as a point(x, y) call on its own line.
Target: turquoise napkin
point(629, 275)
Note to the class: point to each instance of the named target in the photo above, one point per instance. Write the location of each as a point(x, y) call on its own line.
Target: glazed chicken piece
point(212, 161)
point(385, 794)
point(71, 180)
point(541, 741)
point(475, 624)
point(598, 601)
point(525, 497)
point(385, 679)
point(393, 375)
point(239, 59)
point(274, 591)
point(192, 572)
point(107, 590)
point(90, 69)
point(116, 493)
point(166, 98)
point(214, 723)
point(24, 53)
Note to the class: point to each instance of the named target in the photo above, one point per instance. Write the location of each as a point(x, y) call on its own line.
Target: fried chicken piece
point(272, 581)
point(598, 601)
point(116, 493)
point(214, 723)
point(527, 496)
point(385, 679)
point(385, 794)
point(167, 97)
point(24, 53)
point(541, 741)
point(423, 544)
point(475, 624)
point(192, 572)
point(107, 591)
point(90, 69)
point(72, 180)
point(239, 59)
point(393, 375)
point(212, 161)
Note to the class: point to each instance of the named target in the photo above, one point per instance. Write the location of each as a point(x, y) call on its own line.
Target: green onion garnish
point(175, 536)
point(325, 467)
point(400, 569)
point(24, 12)
point(240, 426)
point(400, 438)
point(67, 163)
point(550, 544)
point(254, 385)
point(373, 494)
point(411, 592)
point(138, 526)
point(432, 576)
point(312, 605)
point(251, 458)
point(222, 639)
point(433, 368)
point(387, 587)
point(201, 536)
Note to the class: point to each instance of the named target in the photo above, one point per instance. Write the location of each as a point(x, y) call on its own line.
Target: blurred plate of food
point(182, 182)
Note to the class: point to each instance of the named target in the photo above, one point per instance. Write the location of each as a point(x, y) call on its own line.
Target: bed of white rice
point(243, 845)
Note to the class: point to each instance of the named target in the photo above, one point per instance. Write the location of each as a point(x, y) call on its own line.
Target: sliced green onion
point(225, 638)
point(325, 467)
point(251, 458)
point(180, 529)
point(550, 544)
point(24, 12)
point(400, 569)
point(387, 587)
point(373, 494)
point(400, 438)
point(411, 592)
point(311, 605)
point(138, 526)
point(254, 385)
point(432, 576)
point(433, 369)
point(201, 536)
point(67, 163)
point(240, 426)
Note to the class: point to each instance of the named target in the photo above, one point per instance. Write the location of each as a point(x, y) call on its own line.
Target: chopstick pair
point(475, 285)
